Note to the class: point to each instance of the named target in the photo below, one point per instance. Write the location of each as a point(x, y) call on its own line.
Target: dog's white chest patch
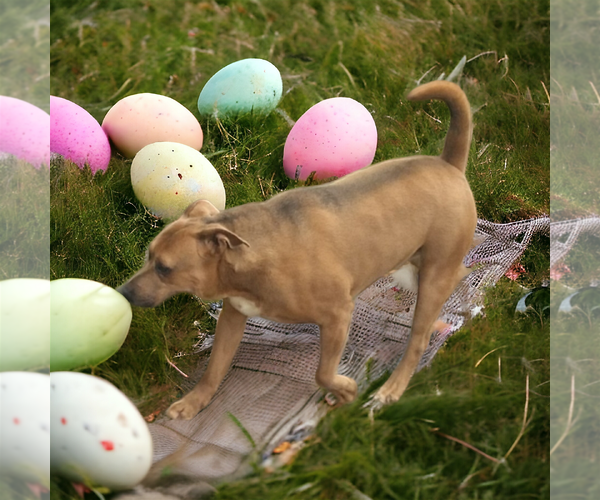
point(407, 277)
point(245, 306)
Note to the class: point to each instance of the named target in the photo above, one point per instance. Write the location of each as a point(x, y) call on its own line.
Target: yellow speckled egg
point(141, 119)
point(167, 177)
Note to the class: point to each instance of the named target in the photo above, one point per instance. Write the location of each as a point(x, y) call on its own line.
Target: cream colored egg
point(25, 427)
point(167, 177)
point(24, 324)
point(98, 437)
point(141, 119)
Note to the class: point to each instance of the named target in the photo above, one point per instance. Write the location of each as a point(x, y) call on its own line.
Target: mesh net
point(269, 394)
point(564, 234)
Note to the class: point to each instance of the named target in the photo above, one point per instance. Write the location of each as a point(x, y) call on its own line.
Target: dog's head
point(184, 257)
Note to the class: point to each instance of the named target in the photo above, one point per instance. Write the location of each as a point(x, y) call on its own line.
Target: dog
point(305, 254)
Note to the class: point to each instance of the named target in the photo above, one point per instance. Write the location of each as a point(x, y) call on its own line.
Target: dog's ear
point(219, 239)
point(200, 208)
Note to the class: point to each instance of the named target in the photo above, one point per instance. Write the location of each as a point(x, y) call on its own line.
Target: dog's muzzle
point(129, 292)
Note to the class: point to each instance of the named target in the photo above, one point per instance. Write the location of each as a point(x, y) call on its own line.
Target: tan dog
point(305, 254)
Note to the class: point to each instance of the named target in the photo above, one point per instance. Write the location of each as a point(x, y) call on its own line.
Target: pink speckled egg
point(333, 138)
point(141, 119)
point(76, 135)
point(24, 131)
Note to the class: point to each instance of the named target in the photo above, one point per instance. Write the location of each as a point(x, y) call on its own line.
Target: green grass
point(575, 114)
point(104, 51)
point(575, 347)
point(24, 220)
point(24, 45)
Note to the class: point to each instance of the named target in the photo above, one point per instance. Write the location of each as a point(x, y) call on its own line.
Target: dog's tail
point(458, 139)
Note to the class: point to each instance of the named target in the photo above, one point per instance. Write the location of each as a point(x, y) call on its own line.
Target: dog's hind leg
point(228, 334)
point(436, 284)
point(333, 336)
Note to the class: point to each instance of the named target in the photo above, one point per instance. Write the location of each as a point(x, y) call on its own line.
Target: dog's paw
point(184, 409)
point(344, 392)
point(373, 404)
point(380, 399)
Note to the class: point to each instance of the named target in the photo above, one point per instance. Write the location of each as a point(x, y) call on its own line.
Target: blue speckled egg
point(246, 86)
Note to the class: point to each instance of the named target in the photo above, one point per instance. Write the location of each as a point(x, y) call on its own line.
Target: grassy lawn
point(374, 53)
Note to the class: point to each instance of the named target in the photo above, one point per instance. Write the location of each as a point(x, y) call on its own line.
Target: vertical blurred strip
point(575, 236)
point(24, 248)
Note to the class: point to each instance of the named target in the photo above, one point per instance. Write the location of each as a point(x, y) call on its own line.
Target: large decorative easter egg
point(89, 323)
point(76, 135)
point(99, 437)
point(167, 177)
point(246, 86)
point(24, 324)
point(141, 119)
point(24, 131)
point(25, 427)
point(333, 138)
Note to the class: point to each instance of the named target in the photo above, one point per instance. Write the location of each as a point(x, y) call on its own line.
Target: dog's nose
point(125, 291)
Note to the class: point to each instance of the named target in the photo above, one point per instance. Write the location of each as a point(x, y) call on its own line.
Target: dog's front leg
point(334, 334)
point(228, 334)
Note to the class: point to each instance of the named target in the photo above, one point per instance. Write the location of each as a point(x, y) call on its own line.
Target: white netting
point(564, 234)
point(270, 392)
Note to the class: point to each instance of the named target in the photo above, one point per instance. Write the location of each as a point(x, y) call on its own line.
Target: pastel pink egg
point(24, 131)
point(76, 135)
point(333, 138)
point(142, 119)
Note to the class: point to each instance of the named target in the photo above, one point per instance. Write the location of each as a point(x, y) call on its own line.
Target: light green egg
point(24, 324)
point(246, 86)
point(89, 323)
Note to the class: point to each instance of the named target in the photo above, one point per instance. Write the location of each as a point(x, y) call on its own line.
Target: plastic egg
point(89, 323)
point(25, 427)
point(98, 436)
point(167, 177)
point(141, 119)
point(76, 135)
point(24, 324)
point(24, 131)
point(249, 85)
point(333, 138)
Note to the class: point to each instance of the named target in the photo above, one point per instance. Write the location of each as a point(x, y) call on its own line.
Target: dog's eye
point(161, 269)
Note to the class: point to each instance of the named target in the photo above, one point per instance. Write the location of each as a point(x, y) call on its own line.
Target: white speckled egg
point(141, 119)
point(333, 138)
point(24, 131)
point(89, 323)
point(249, 85)
point(167, 177)
point(76, 135)
point(98, 436)
point(24, 324)
point(25, 427)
